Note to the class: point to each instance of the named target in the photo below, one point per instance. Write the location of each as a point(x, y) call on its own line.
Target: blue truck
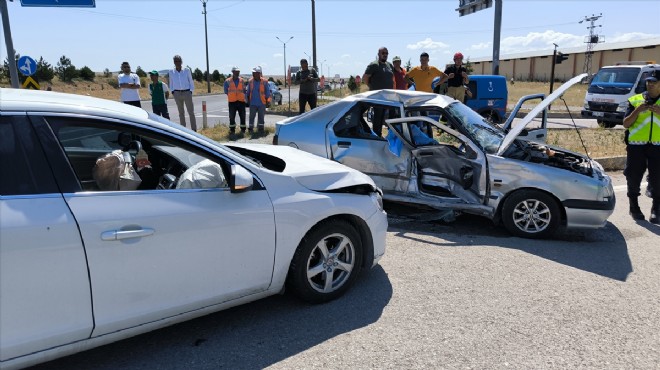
point(489, 96)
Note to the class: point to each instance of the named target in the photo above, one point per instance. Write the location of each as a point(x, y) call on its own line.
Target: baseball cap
point(154, 73)
point(396, 59)
point(234, 69)
point(257, 69)
point(654, 77)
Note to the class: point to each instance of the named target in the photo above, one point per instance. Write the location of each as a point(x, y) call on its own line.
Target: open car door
point(447, 168)
point(537, 129)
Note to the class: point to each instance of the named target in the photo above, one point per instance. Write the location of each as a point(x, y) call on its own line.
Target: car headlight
point(377, 198)
point(623, 106)
point(586, 105)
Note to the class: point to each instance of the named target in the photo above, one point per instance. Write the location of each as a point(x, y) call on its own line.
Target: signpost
point(466, 7)
point(26, 65)
point(64, 3)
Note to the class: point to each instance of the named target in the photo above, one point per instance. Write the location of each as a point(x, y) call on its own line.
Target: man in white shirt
point(181, 85)
point(129, 84)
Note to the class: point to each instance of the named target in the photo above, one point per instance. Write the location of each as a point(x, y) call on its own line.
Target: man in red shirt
point(399, 74)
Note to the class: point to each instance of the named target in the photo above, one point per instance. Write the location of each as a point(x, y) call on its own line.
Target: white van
point(610, 88)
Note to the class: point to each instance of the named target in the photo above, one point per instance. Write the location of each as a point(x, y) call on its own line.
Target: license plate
point(598, 114)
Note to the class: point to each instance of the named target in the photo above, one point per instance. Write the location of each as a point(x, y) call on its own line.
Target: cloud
point(481, 46)
point(427, 44)
point(278, 55)
point(539, 41)
point(346, 56)
point(630, 36)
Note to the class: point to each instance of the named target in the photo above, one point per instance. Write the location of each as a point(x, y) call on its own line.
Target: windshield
point(486, 135)
point(617, 81)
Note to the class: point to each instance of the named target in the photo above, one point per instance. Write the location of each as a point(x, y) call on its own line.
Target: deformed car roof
point(406, 97)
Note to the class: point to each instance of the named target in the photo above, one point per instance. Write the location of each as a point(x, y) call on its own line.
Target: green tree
point(468, 66)
point(44, 71)
point(198, 75)
point(140, 72)
point(66, 71)
point(5, 68)
point(215, 76)
point(408, 65)
point(86, 74)
point(351, 84)
point(107, 73)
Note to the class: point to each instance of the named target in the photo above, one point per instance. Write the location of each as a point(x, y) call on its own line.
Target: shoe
point(635, 211)
point(242, 130)
point(232, 131)
point(655, 213)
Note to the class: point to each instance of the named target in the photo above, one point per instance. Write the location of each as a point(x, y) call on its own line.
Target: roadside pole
point(204, 118)
point(11, 55)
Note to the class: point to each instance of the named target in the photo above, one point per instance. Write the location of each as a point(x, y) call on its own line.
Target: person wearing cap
point(235, 90)
point(642, 121)
point(424, 74)
point(458, 78)
point(399, 74)
point(307, 79)
point(129, 83)
point(182, 86)
point(159, 95)
point(258, 94)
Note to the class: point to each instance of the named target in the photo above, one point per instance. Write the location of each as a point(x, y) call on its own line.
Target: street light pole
point(321, 63)
point(206, 37)
point(286, 77)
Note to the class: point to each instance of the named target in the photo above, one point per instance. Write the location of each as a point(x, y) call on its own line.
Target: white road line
point(621, 188)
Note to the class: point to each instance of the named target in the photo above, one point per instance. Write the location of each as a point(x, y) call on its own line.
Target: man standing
point(642, 121)
point(424, 74)
point(379, 75)
point(182, 87)
point(458, 78)
point(399, 74)
point(235, 90)
point(307, 79)
point(159, 95)
point(258, 94)
point(129, 83)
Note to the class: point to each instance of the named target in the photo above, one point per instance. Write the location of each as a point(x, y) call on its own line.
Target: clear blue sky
point(348, 33)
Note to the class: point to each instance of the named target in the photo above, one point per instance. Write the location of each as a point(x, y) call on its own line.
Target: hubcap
point(532, 216)
point(331, 263)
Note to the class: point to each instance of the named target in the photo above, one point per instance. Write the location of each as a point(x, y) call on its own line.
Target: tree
point(44, 71)
point(5, 68)
point(215, 76)
point(408, 65)
point(351, 83)
point(86, 74)
point(140, 72)
point(65, 70)
point(106, 73)
point(198, 75)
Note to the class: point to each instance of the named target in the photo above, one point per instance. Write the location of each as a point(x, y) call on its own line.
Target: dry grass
point(600, 142)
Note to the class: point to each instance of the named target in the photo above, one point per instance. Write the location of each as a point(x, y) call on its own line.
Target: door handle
point(126, 234)
point(540, 136)
point(344, 144)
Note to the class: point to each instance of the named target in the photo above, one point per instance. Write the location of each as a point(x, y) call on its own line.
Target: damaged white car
point(440, 153)
point(115, 222)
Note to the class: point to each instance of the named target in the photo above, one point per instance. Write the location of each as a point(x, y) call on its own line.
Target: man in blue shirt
point(258, 95)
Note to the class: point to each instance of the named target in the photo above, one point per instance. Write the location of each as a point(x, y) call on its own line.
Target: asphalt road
point(445, 296)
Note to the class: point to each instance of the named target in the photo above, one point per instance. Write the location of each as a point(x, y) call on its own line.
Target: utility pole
point(206, 37)
point(314, 36)
point(591, 40)
point(552, 72)
point(11, 53)
point(286, 76)
point(496, 37)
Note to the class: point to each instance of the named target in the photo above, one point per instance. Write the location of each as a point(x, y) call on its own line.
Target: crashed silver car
point(441, 154)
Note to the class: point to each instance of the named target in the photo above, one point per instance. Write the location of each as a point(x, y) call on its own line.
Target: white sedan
point(116, 222)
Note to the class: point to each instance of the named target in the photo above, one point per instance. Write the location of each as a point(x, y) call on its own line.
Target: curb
point(612, 163)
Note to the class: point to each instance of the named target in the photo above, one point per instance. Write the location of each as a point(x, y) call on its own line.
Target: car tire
point(332, 250)
point(531, 214)
point(606, 124)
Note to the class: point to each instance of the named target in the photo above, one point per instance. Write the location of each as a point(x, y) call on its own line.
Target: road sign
point(30, 83)
point(466, 7)
point(66, 3)
point(26, 65)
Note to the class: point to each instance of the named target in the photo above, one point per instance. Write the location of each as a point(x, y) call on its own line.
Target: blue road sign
point(67, 3)
point(26, 65)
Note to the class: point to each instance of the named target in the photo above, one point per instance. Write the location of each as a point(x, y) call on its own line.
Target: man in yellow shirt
point(424, 74)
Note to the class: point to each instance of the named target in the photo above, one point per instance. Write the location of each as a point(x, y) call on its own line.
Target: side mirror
point(240, 180)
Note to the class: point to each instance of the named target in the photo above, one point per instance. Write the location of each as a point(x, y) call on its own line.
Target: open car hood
point(311, 171)
point(515, 131)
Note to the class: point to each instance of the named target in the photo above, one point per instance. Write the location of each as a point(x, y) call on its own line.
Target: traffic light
point(560, 57)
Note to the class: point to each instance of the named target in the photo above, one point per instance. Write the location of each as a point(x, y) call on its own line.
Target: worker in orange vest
point(235, 90)
point(258, 95)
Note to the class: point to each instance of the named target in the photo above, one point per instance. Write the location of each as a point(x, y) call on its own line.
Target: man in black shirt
point(307, 79)
point(379, 75)
point(458, 77)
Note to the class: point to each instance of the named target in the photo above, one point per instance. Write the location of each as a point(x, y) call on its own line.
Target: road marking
point(620, 188)
point(211, 115)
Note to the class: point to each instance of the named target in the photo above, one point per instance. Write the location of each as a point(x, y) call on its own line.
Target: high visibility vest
point(236, 93)
point(646, 129)
point(262, 90)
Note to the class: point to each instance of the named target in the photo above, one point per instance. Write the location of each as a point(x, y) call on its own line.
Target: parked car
point(440, 153)
point(116, 222)
point(276, 94)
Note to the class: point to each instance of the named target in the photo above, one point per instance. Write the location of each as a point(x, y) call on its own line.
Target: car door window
point(113, 157)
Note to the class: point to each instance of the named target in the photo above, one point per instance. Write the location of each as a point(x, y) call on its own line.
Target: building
point(537, 65)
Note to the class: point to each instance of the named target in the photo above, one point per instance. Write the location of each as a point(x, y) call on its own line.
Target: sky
point(244, 33)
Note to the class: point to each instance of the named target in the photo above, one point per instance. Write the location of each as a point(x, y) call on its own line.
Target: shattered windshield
point(486, 135)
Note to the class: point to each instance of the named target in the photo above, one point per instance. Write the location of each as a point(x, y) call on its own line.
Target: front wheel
point(531, 214)
point(326, 263)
